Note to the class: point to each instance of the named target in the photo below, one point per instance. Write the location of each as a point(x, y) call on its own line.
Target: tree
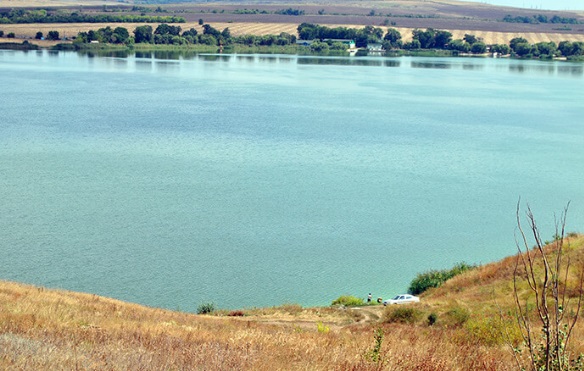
point(426, 38)
point(471, 39)
point(201, 22)
point(413, 45)
point(546, 49)
point(478, 48)
point(209, 30)
point(523, 49)
point(565, 47)
point(441, 39)
point(53, 35)
point(503, 49)
point(460, 46)
point(192, 32)
point(143, 34)
point(1, 33)
point(207, 40)
point(166, 29)
point(548, 314)
point(120, 35)
point(319, 46)
point(39, 35)
point(393, 37)
point(515, 41)
point(10, 35)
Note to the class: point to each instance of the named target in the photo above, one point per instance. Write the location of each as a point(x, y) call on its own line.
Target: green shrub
point(435, 278)
point(349, 301)
point(402, 315)
point(206, 308)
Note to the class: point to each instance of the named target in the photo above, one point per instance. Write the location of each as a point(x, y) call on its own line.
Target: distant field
point(459, 18)
point(70, 30)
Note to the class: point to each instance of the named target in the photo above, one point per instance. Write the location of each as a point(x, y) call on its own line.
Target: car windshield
point(396, 298)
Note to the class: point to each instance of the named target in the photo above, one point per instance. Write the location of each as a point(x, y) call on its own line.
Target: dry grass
point(51, 329)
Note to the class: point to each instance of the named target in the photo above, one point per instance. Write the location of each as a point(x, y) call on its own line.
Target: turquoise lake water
point(262, 180)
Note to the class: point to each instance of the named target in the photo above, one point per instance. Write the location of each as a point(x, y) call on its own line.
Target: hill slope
point(51, 329)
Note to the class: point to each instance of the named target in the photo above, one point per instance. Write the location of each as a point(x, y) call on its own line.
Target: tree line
point(325, 39)
point(62, 16)
point(540, 18)
point(165, 34)
point(439, 39)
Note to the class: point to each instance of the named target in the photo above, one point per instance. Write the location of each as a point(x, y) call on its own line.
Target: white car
point(402, 299)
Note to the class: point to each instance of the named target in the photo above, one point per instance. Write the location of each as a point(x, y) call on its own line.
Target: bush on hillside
point(402, 315)
point(435, 278)
point(206, 308)
point(349, 301)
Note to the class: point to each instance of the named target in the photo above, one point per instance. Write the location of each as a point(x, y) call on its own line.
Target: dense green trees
point(392, 39)
point(460, 46)
point(324, 39)
point(53, 35)
point(432, 38)
point(119, 35)
point(569, 49)
point(368, 34)
point(540, 18)
point(290, 11)
point(63, 16)
point(143, 34)
point(478, 48)
point(502, 49)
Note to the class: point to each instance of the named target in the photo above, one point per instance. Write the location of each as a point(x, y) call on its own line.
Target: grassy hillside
point(472, 317)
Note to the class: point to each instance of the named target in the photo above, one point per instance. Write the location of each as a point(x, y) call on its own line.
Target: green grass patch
point(348, 301)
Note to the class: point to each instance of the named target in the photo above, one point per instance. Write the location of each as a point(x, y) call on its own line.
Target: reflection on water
point(341, 61)
point(551, 68)
point(214, 57)
point(514, 66)
point(472, 66)
point(142, 65)
point(571, 70)
point(146, 55)
point(432, 64)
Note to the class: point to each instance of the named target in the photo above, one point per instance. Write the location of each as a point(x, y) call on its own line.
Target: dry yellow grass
point(70, 30)
point(45, 329)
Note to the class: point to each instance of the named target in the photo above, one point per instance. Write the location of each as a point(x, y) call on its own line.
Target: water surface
point(260, 180)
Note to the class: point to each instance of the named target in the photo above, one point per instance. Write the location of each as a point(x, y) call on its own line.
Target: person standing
point(369, 298)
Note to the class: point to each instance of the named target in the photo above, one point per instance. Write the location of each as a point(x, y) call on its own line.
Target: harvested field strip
point(70, 30)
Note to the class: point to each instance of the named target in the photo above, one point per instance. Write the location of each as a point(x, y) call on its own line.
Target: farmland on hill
point(482, 20)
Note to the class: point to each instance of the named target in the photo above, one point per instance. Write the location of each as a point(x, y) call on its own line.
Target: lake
point(259, 180)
